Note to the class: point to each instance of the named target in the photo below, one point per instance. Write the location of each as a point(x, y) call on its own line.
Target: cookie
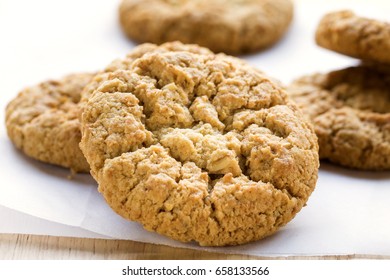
point(43, 121)
point(199, 147)
point(350, 109)
point(355, 36)
point(234, 27)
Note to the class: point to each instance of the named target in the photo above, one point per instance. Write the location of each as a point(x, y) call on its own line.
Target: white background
point(348, 212)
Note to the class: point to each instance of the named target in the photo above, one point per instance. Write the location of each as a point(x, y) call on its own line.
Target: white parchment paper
point(348, 213)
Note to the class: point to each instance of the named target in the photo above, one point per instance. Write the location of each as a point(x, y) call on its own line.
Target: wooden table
point(19, 246)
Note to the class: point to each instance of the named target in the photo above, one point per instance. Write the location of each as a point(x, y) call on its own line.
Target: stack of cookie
point(350, 108)
point(194, 145)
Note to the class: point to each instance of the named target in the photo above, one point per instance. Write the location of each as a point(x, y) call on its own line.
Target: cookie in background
point(233, 27)
point(43, 121)
point(355, 36)
point(350, 108)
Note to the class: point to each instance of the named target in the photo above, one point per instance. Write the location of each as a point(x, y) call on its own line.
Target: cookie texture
point(198, 147)
point(349, 34)
point(137, 52)
point(43, 121)
point(235, 26)
point(350, 109)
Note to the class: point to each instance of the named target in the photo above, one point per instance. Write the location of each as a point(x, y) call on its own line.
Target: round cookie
point(235, 26)
point(199, 147)
point(350, 109)
point(43, 121)
point(355, 36)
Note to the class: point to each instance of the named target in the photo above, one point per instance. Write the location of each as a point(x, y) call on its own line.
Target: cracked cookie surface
point(42, 121)
point(198, 147)
point(355, 36)
point(237, 26)
point(350, 109)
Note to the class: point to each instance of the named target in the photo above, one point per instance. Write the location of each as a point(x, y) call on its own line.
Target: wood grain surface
point(33, 247)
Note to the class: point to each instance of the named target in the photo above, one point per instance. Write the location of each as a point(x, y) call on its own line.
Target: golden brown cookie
point(235, 26)
point(42, 121)
point(198, 146)
point(355, 36)
point(350, 109)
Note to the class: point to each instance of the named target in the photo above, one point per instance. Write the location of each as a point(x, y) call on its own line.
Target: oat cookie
point(231, 26)
point(355, 36)
point(350, 109)
point(42, 121)
point(197, 146)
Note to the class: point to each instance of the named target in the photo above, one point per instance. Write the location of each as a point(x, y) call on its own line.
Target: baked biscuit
point(355, 36)
point(43, 121)
point(198, 146)
point(350, 109)
point(235, 26)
